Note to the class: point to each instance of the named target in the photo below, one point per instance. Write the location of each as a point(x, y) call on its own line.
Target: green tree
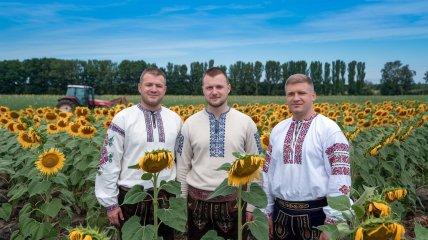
point(273, 77)
point(396, 78)
point(426, 77)
point(12, 77)
point(361, 75)
point(326, 84)
point(316, 75)
point(257, 75)
point(352, 88)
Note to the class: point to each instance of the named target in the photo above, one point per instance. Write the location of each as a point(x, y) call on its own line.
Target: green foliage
point(259, 226)
point(176, 215)
point(420, 232)
point(134, 195)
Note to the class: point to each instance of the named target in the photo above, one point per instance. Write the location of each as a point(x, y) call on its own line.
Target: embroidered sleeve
point(252, 141)
point(109, 166)
point(265, 180)
point(337, 163)
point(184, 159)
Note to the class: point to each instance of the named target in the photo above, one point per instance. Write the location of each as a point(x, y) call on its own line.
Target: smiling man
point(133, 131)
point(307, 160)
point(207, 141)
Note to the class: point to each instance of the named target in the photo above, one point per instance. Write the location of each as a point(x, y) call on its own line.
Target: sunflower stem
point(239, 213)
point(155, 204)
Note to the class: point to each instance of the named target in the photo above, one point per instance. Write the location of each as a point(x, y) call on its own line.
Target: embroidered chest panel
point(153, 119)
point(217, 134)
point(293, 142)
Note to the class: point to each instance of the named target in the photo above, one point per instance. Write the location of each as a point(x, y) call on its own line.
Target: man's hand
point(324, 236)
point(115, 215)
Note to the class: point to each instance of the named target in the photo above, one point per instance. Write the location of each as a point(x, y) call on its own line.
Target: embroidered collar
point(221, 115)
point(147, 110)
point(307, 119)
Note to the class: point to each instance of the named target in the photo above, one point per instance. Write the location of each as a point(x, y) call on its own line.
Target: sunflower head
point(87, 131)
point(395, 194)
point(51, 116)
point(244, 169)
point(62, 124)
point(378, 209)
point(265, 140)
point(81, 111)
point(28, 139)
point(52, 128)
point(50, 162)
point(87, 237)
point(75, 234)
point(73, 129)
point(155, 161)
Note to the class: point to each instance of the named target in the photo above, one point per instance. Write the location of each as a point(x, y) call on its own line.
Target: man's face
point(216, 89)
point(300, 98)
point(152, 89)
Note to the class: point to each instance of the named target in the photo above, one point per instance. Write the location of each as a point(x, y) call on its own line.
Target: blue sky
point(227, 31)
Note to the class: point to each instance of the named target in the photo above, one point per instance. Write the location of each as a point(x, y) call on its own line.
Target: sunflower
point(62, 125)
point(264, 139)
point(50, 162)
point(349, 120)
point(107, 123)
point(28, 139)
point(4, 109)
point(75, 234)
point(395, 194)
point(73, 129)
point(51, 116)
point(11, 127)
point(81, 111)
point(375, 150)
point(87, 237)
point(13, 115)
point(155, 161)
point(378, 209)
point(52, 128)
point(244, 169)
point(87, 131)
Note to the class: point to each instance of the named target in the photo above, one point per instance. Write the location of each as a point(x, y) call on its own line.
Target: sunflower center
point(50, 160)
point(245, 170)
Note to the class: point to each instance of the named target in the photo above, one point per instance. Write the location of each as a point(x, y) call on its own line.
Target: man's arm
point(337, 163)
point(106, 188)
point(184, 155)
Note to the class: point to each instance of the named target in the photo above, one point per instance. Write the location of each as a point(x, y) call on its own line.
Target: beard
point(215, 104)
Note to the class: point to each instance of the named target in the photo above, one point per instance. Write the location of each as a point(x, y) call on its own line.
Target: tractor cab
point(83, 94)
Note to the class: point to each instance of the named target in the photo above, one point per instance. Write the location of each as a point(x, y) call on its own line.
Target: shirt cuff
point(112, 207)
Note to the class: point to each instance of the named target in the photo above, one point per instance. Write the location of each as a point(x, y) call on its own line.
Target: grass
point(22, 101)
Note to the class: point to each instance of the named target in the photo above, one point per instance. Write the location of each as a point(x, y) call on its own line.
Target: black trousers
point(145, 211)
point(219, 216)
point(296, 220)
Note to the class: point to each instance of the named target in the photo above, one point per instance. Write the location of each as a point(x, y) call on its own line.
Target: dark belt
point(301, 205)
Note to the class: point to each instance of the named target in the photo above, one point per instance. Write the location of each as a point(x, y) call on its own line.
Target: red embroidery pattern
point(329, 220)
point(268, 159)
point(287, 150)
point(345, 189)
point(338, 159)
point(341, 171)
point(342, 147)
point(338, 156)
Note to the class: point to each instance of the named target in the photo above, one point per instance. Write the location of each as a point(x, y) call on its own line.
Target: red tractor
point(81, 95)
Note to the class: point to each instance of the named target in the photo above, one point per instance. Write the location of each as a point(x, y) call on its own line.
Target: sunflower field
point(49, 160)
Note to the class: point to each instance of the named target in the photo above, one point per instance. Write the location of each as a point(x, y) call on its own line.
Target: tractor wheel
point(66, 105)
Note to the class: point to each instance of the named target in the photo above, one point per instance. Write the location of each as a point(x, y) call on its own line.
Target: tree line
point(51, 76)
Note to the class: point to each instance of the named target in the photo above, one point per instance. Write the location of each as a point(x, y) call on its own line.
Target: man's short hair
point(153, 71)
point(299, 78)
point(214, 71)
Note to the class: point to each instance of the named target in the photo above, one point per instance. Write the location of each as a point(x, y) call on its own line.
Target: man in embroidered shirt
point(207, 140)
point(132, 132)
point(307, 160)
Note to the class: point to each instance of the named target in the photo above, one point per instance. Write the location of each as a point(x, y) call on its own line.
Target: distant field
point(22, 101)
